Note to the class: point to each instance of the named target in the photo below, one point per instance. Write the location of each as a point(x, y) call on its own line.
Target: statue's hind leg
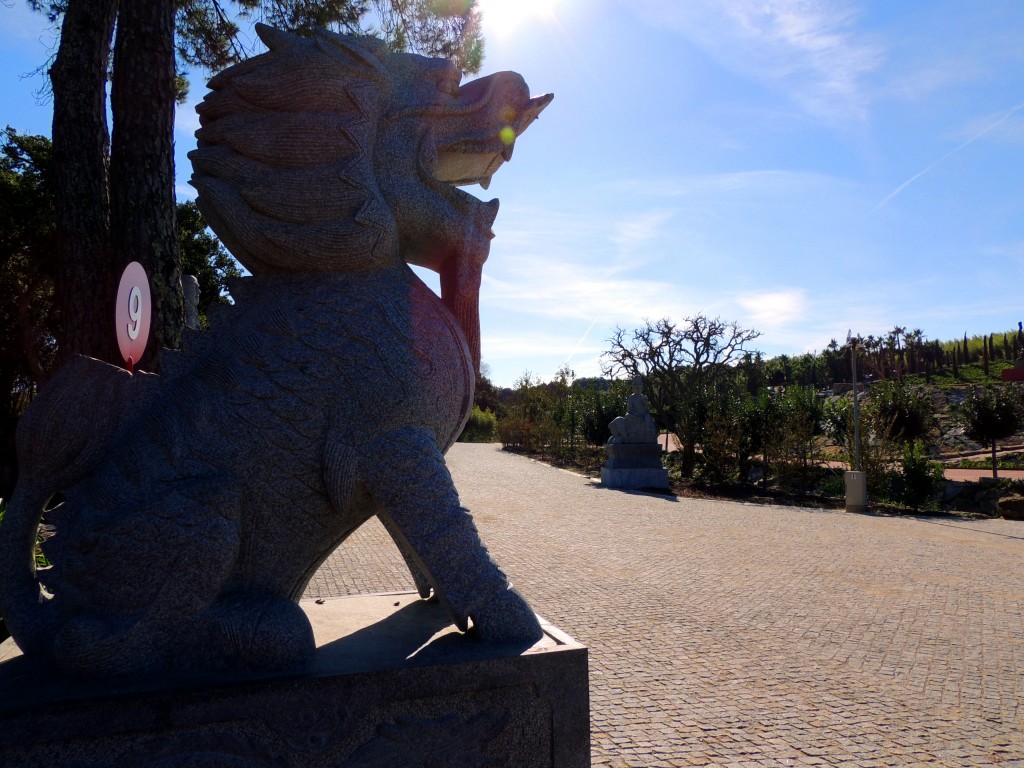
point(167, 606)
point(256, 630)
point(405, 472)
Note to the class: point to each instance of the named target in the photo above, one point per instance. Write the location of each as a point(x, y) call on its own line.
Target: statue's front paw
point(506, 619)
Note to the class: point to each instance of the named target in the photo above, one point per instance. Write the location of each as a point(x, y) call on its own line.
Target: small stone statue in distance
point(197, 504)
point(634, 456)
point(636, 426)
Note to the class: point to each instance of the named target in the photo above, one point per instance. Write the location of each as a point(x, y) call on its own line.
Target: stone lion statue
point(197, 504)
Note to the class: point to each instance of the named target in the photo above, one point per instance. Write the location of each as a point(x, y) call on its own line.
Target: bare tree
point(683, 365)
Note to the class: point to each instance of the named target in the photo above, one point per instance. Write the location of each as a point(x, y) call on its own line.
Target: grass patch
point(1010, 461)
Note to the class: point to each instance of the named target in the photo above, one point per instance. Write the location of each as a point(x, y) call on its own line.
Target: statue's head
point(638, 384)
point(332, 153)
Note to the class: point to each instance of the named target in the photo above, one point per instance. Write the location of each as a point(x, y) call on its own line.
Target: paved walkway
point(974, 475)
point(742, 635)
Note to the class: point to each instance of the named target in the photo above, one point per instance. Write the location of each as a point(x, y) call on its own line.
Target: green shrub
point(833, 485)
point(517, 434)
point(482, 427)
point(921, 478)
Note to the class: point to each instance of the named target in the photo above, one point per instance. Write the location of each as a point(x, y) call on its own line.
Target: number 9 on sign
point(133, 312)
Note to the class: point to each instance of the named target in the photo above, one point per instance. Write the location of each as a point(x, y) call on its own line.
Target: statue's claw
point(507, 618)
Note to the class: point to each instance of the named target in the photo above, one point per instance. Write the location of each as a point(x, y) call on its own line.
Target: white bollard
point(856, 492)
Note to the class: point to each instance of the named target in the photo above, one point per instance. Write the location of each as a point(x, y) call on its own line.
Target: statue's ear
point(365, 53)
point(275, 38)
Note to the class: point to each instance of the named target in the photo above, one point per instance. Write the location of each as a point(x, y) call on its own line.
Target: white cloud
point(509, 353)
point(928, 79)
point(774, 309)
point(559, 289)
point(1001, 127)
point(979, 130)
point(809, 49)
point(640, 228)
point(1013, 251)
point(511, 345)
point(769, 182)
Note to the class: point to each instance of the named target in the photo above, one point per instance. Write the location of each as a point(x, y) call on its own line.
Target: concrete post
point(856, 492)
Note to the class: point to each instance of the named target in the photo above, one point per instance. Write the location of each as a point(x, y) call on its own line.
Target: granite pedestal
point(634, 465)
point(394, 683)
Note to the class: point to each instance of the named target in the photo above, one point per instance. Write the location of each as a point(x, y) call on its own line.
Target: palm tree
point(914, 343)
point(897, 332)
point(873, 354)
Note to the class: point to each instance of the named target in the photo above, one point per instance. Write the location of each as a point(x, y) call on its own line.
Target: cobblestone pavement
point(743, 635)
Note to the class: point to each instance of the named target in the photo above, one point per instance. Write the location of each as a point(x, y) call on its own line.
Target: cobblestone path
point(744, 635)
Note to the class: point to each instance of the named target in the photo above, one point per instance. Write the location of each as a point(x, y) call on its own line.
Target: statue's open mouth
point(491, 113)
point(496, 110)
point(468, 141)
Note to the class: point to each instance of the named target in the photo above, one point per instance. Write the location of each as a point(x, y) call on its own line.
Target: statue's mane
point(284, 166)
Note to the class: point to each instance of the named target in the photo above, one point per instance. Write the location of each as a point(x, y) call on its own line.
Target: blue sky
point(801, 166)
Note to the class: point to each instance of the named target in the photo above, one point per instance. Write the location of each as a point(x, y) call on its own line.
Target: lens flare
point(502, 17)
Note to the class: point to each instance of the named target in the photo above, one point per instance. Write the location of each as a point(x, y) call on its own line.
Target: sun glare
point(502, 17)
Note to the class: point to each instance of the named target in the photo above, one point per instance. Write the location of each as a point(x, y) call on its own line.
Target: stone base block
point(635, 478)
point(393, 684)
point(633, 456)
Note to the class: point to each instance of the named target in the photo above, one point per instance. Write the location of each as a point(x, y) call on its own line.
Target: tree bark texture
point(87, 273)
point(142, 163)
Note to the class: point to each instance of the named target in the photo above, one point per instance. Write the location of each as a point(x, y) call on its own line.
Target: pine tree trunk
point(86, 283)
point(995, 467)
point(142, 163)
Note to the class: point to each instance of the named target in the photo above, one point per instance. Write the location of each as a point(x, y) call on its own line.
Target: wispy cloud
point(639, 228)
point(774, 309)
point(1003, 127)
point(809, 49)
point(540, 353)
point(1014, 252)
point(769, 182)
point(990, 125)
point(540, 286)
point(926, 80)
point(511, 345)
